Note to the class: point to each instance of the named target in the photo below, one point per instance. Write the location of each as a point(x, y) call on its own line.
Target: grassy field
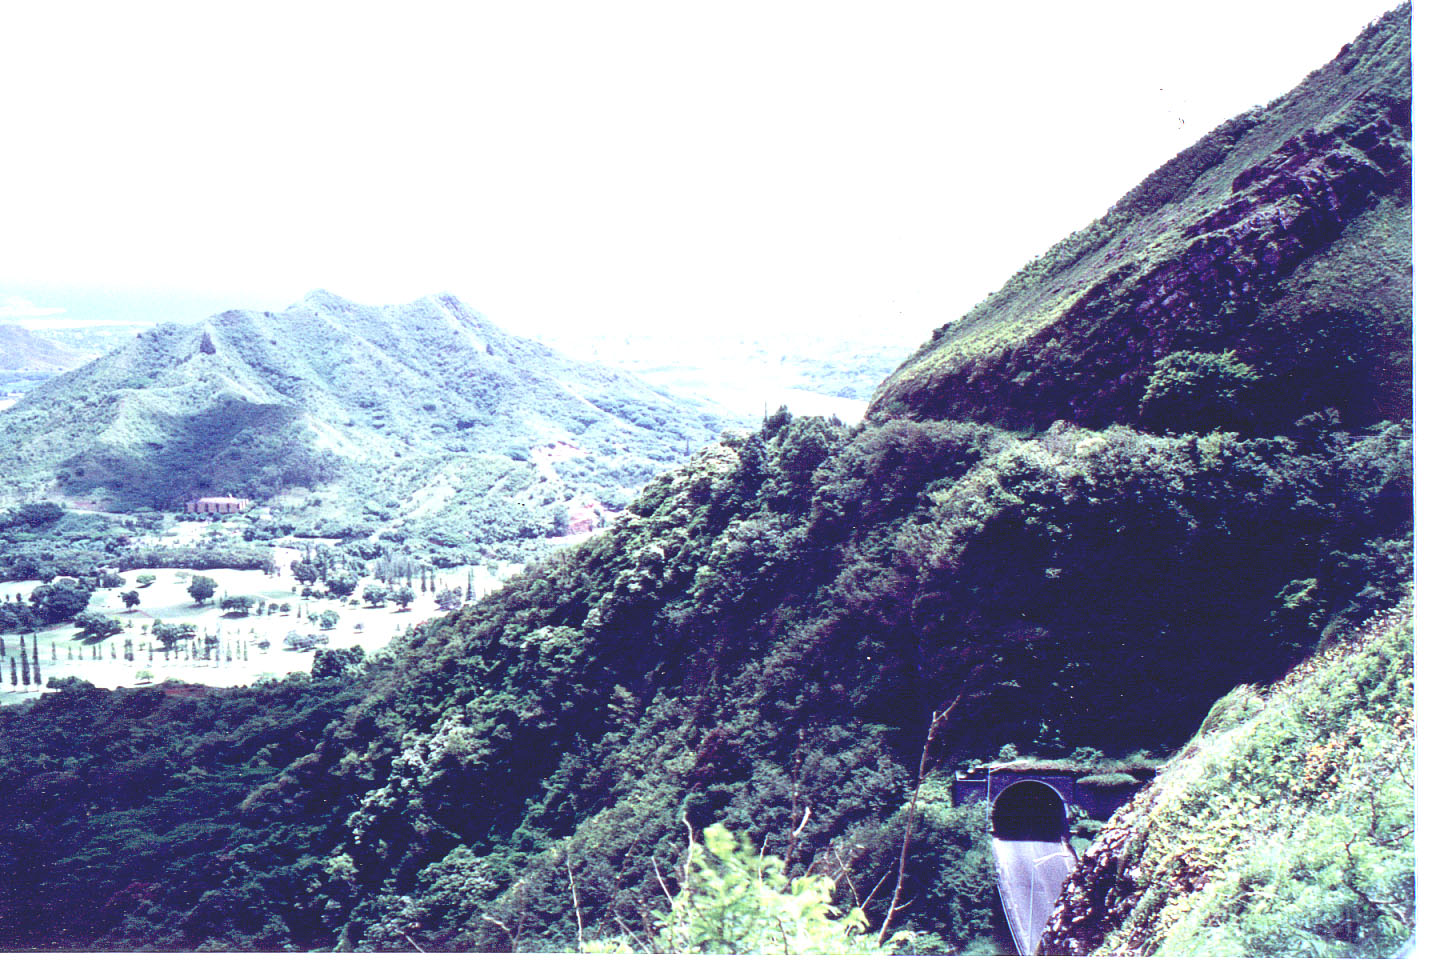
point(250, 647)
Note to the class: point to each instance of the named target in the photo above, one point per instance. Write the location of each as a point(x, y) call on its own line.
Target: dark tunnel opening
point(1028, 811)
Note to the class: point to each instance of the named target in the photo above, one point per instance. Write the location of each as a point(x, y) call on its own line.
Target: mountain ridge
point(361, 406)
point(22, 351)
point(800, 633)
point(1209, 254)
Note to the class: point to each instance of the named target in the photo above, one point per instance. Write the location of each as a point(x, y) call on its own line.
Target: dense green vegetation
point(1283, 236)
point(1285, 828)
point(125, 815)
point(42, 541)
point(355, 420)
point(771, 636)
point(734, 900)
point(763, 669)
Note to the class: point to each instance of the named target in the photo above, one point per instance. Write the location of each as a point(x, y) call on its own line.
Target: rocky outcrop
point(1101, 892)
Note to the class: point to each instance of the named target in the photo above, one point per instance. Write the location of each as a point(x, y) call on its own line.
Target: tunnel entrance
point(1028, 810)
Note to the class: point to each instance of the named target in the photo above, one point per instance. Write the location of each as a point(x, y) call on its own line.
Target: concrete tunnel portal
point(1029, 810)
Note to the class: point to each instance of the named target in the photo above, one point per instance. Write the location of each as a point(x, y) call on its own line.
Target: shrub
point(1190, 391)
point(60, 600)
point(736, 901)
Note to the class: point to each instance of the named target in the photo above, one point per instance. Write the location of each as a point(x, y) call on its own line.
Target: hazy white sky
point(761, 166)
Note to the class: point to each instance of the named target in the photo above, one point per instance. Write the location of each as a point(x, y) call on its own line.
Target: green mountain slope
point(398, 406)
point(767, 638)
point(1283, 236)
point(22, 351)
point(1285, 827)
point(27, 360)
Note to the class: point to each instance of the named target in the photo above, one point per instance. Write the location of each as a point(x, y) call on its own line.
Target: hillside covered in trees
point(1171, 458)
point(355, 419)
point(27, 358)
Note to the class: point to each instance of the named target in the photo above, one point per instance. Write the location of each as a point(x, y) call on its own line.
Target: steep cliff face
point(1285, 827)
point(1283, 236)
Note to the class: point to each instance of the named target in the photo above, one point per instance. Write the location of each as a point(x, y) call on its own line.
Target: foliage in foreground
point(734, 900)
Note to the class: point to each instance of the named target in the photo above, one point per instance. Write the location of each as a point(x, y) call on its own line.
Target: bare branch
point(630, 935)
point(575, 899)
point(663, 889)
point(844, 866)
point(794, 836)
point(794, 810)
point(936, 718)
point(689, 850)
point(489, 919)
point(876, 889)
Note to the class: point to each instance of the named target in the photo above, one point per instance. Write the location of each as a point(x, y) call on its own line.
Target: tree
point(60, 600)
point(240, 605)
point(304, 571)
point(341, 583)
point(328, 619)
point(448, 599)
point(131, 599)
point(95, 627)
point(172, 635)
point(145, 579)
point(1197, 391)
point(38, 514)
point(402, 597)
point(201, 588)
point(375, 594)
point(333, 663)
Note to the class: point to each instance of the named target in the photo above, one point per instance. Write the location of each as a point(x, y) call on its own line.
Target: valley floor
point(167, 600)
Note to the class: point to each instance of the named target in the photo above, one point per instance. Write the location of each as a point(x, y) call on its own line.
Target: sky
point(765, 167)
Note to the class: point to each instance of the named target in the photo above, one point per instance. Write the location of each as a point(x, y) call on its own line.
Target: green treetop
point(201, 588)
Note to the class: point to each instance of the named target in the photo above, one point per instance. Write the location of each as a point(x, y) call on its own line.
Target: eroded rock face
point(1100, 893)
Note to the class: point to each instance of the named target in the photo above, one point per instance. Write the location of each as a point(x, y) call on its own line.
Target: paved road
point(1031, 875)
